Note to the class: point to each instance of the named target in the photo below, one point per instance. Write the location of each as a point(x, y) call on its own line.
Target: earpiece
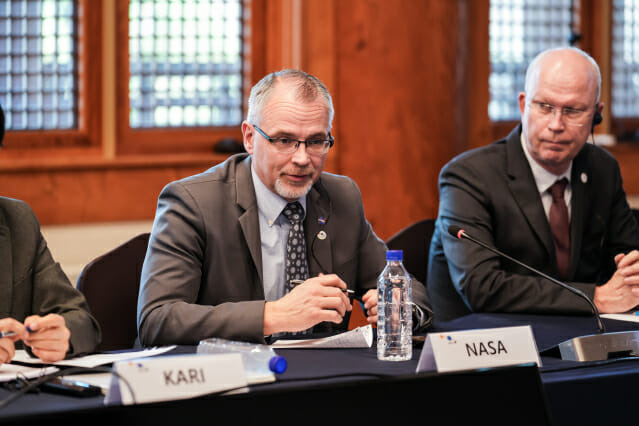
point(597, 118)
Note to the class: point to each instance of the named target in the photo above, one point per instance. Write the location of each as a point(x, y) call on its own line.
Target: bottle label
point(467, 350)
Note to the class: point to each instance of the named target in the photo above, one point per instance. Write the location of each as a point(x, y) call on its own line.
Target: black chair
point(414, 240)
point(110, 284)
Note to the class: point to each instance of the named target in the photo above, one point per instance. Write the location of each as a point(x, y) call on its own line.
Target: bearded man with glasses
point(265, 243)
point(544, 196)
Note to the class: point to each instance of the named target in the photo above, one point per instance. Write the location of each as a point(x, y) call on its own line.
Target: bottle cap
point(394, 255)
point(277, 364)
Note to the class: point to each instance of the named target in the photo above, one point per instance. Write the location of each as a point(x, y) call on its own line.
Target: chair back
point(414, 240)
point(110, 283)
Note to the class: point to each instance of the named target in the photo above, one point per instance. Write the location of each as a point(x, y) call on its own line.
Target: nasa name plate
point(472, 349)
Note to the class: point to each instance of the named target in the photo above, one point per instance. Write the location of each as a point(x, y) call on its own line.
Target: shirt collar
point(543, 178)
point(269, 203)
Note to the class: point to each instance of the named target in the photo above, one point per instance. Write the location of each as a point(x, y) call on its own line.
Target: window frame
point(172, 139)
point(89, 66)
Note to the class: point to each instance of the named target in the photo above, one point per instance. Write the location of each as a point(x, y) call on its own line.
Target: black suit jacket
point(491, 193)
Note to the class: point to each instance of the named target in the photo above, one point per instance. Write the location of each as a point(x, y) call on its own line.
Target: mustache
point(304, 171)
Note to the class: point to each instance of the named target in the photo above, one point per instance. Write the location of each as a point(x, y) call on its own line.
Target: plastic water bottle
point(258, 360)
point(394, 310)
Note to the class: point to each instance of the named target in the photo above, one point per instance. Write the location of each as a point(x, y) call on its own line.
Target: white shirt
point(544, 180)
point(274, 229)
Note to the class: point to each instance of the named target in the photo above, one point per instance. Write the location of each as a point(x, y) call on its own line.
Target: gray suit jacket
point(202, 276)
point(32, 283)
point(491, 193)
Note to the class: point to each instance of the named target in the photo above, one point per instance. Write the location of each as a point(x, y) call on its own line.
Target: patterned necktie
point(559, 226)
point(296, 267)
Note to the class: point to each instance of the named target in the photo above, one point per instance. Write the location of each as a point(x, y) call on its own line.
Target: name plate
point(472, 349)
point(174, 377)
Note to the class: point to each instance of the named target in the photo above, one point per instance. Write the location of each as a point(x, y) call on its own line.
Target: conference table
point(351, 385)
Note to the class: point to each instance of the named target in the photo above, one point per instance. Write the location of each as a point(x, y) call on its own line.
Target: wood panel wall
point(404, 78)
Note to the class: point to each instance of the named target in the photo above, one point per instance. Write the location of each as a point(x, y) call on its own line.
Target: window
point(518, 31)
point(38, 66)
point(185, 62)
point(176, 73)
point(181, 69)
point(625, 58)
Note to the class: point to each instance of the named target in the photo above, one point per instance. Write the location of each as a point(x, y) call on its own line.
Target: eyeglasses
point(290, 145)
point(572, 116)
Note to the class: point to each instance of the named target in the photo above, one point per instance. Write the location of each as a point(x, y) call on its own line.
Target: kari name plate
point(472, 349)
point(174, 377)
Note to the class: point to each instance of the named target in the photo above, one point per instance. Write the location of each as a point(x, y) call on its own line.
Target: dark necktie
point(559, 226)
point(296, 268)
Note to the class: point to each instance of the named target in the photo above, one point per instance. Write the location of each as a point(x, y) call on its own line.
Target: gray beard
point(290, 192)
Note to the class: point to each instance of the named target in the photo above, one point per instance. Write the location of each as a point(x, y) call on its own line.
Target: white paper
point(11, 372)
point(95, 360)
point(360, 337)
point(630, 316)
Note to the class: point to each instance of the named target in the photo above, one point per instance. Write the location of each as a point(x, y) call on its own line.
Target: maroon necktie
point(559, 226)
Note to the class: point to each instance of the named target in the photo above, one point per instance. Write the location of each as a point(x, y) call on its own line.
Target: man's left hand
point(370, 304)
point(48, 337)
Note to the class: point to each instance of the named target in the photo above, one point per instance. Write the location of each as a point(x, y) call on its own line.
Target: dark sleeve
point(53, 293)
point(469, 200)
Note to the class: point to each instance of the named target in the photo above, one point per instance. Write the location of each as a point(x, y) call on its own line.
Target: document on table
point(95, 360)
point(360, 337)
point(12, 371)
point(628, 316)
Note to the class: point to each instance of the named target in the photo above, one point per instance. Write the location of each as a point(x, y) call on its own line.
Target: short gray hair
point(307, 87)
point(533, 67)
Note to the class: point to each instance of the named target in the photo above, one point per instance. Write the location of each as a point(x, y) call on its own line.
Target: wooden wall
point(403, 74)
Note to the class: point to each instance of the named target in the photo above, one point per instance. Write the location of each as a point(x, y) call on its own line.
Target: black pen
point(348, 291)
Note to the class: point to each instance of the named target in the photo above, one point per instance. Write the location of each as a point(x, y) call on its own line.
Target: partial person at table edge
point(47, 314)
point(544, 196)
point(216, 264)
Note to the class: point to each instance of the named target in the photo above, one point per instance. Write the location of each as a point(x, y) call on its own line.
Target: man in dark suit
point(39, 307)
point(217, 262)
point(580, 230)
point(37, 301)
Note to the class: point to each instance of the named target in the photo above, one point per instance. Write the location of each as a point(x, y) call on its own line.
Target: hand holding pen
point(12, 330)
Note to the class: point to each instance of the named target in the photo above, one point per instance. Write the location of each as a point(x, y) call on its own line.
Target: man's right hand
point(318, 299)
point(621, 292)
point(7, 344)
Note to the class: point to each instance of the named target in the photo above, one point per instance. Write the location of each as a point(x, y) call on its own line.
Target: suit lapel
point(524, 191)
point(6, 277)
point(580, 208)
point(318, 239)
point(249, 220)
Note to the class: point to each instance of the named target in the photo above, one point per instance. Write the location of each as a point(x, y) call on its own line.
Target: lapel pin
point(321, 220)
point(321, 235)
point(584, 178)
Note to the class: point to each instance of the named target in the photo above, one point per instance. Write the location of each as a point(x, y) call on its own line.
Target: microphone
point(586, 348)
point(458, 232)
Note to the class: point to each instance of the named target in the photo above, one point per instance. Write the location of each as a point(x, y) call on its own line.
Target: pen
point(347, 291)
point(6, 334)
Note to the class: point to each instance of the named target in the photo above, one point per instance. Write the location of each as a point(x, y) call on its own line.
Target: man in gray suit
point(217, 262)
point(582, 232)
